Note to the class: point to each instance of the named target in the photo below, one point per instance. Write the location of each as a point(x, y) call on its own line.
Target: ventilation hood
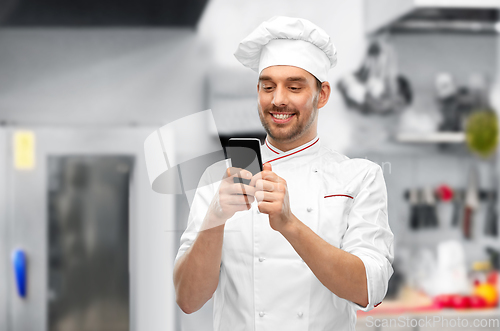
point(101, 13)
point(470, 16)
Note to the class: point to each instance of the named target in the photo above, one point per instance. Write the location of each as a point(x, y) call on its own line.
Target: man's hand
point(272, 193)
point(196, 273)
point(230, 198)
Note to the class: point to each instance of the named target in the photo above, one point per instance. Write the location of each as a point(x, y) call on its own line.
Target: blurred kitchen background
point(86, 244)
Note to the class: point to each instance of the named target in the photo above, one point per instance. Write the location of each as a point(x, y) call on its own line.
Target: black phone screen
point(245, 154)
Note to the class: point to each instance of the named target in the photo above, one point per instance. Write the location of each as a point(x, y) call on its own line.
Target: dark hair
point(318, 84)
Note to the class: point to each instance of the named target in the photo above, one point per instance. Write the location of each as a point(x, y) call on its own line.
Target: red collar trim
point(271, 148)
point(300, 150)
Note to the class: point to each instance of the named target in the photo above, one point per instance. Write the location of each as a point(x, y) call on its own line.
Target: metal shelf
point(434, 137)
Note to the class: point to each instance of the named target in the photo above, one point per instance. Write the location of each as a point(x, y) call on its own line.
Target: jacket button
point(261, 259)
point(300, 314)
point(309, 209)
point(261, 314)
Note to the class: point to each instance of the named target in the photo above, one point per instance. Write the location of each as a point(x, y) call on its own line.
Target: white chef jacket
point(264, 285)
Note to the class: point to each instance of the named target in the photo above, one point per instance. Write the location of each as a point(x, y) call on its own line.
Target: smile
point(281, 118)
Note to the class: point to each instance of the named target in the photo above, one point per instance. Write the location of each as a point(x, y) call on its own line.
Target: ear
point(324, 94)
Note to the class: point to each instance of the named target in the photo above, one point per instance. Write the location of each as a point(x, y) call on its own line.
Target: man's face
point(288, 103)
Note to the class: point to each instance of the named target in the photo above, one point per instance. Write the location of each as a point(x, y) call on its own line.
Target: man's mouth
point(282, 117)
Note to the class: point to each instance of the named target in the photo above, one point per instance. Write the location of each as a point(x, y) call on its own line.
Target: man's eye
point(267, 88)
point(294, 88)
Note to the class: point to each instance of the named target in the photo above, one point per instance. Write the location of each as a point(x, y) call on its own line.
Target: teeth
point(281, 116)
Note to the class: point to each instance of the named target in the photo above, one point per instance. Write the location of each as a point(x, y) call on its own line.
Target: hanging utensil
point(458, 207)
point(491, 223)
point(471, 202)
point(376, 87)
point(423, 211)
point(414, 209)
point(430, 205)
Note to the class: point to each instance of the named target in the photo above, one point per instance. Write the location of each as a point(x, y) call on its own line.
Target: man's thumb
point(267, 166)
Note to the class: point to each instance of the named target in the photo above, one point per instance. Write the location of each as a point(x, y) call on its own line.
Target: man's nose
point(280, 98)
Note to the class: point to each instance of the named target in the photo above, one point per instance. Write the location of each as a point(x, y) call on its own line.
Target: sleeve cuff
point(377, 278)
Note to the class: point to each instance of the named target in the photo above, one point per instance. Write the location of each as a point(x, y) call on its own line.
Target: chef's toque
point(288, 41)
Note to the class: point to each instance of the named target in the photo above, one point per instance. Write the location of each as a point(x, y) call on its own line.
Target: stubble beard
point(294, 133)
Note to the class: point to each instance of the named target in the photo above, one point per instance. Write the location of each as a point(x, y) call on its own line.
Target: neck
point(286, 146)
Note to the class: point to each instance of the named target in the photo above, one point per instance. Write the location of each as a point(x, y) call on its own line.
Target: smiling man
point(289, 98)
point(307, 242)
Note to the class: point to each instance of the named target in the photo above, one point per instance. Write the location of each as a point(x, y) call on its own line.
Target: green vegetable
point(482, 132)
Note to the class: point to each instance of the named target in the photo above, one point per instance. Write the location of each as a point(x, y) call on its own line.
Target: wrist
point(212, 220)
point(290, 227)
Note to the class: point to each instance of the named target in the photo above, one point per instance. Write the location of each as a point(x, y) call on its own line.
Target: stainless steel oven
point(98, 243)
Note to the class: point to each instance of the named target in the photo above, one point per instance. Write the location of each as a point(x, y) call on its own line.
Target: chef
point(307, 242)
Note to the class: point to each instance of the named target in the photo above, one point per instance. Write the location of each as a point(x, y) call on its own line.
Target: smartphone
point(245, 154)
